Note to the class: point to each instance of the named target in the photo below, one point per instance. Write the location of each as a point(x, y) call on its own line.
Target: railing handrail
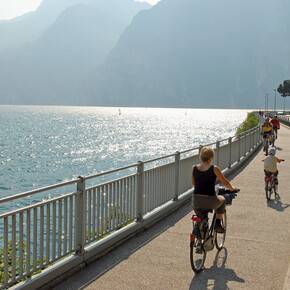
point(59, 226)
point(57, 185)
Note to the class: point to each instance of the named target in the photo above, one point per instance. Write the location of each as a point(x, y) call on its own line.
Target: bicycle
point(203, 238)
point(271, 185)
point(266, 147)
point(273, 139)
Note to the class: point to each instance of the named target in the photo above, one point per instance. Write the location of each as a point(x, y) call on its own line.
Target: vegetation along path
point(256, 253)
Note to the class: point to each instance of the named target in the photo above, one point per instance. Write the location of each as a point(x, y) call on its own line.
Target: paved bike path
point(256, 253)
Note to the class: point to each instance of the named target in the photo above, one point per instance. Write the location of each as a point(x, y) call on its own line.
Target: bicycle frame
point(210, 230)
point(270, 182)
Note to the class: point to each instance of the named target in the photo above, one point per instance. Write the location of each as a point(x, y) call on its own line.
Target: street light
point(267, 101)
point(275, 101)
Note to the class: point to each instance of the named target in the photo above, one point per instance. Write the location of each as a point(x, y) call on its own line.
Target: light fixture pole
point(267, 101)
point(275, 101)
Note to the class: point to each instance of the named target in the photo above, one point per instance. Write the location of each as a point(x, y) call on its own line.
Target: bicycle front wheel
point(197, 256)
point(221, 237)
point(267, 146)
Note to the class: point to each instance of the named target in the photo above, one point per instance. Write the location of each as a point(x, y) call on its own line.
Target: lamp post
point(275, 101)
point(267, 101)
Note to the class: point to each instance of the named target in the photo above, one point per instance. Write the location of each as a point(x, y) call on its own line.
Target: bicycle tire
point(267, 146)
point(268, 190)
point(221, 237)
point(273, 140)
point(196, 259)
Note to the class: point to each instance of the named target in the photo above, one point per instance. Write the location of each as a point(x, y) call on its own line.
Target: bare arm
point(224, 181)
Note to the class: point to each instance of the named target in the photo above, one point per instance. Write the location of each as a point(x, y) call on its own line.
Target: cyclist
point(276, 125)
point(203, 178)
point(270, 164)
point(266, 131)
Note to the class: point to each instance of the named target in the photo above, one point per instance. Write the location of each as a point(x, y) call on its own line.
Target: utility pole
point(275, 101)
point(267, 102)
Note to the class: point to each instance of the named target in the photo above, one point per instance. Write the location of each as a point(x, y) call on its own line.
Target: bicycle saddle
point(204, 211)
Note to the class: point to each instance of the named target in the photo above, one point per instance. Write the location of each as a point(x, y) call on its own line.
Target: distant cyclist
point(276, 125)
point(266, 131)
point(270, 164)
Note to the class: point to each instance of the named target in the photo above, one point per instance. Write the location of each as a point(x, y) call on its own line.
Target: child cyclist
point(270, 165)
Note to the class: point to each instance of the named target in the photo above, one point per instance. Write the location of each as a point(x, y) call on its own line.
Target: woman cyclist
point(203, 178)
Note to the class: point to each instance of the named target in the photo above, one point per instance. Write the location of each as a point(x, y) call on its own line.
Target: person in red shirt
point(276, 125)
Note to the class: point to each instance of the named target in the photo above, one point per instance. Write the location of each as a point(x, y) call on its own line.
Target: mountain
point(30, 26)
point(48, 69)
point(193, 53)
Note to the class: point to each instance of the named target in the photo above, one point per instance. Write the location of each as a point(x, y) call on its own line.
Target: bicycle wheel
point(268, 190)
point(221, 237)
point(267, 146)
point(197, 256)
point(273, 140)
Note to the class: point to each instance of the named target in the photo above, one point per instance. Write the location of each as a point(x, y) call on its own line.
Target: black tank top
point(204, 181)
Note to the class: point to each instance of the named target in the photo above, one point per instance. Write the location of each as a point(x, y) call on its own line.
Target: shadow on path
point(94, 270)
point(217, 276)
point(277, 205)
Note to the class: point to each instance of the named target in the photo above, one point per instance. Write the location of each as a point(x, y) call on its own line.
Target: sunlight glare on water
point(41, 146)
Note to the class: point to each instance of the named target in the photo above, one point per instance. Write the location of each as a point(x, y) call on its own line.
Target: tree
point(284, 90)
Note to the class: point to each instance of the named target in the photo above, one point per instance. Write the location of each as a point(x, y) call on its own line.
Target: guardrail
point(69, 229)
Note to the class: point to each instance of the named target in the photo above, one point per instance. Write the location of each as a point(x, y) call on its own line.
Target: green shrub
point(250, 122)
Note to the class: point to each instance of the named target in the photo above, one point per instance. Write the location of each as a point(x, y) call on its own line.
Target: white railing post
point(217, 153)
point(140, 183)
point(239, 138)
point(230, 152)
point(80, 216)
point(245, 135)
point(177, 161)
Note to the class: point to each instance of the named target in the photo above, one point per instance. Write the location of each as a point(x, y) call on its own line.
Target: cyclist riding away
point(270, 164)
point(266, 131)
point(276, 125)
point(203, 178)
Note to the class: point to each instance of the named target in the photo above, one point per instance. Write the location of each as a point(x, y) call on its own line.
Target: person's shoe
point(264, 149)
point(220, 229)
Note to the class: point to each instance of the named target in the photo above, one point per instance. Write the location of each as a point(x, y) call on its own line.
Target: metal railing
point(36, 236)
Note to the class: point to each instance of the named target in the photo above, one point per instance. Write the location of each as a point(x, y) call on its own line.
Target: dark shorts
point(215, 202)
point(268, 173)
point(265, 134)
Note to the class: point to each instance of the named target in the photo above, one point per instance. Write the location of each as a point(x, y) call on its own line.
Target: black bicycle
point(273, 139)
point(204, 236)
point(266, 148)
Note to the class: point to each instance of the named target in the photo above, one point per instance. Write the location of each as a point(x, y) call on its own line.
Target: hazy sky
point(13, 8)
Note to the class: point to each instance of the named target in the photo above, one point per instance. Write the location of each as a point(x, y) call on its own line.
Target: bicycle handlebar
point(227, 194)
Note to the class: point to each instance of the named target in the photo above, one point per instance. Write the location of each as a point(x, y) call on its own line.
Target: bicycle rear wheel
point(268, 190)
point(197, 256)
point(221, 237)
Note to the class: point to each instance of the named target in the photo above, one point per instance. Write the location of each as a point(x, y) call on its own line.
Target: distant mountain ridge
point(178, 53)
point(219, 54)
point(49, 69)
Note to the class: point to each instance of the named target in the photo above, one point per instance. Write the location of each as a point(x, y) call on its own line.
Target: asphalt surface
point(256, 253)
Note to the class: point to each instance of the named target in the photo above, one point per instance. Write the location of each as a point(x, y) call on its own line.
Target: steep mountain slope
point(48, 70)
point(192, 53)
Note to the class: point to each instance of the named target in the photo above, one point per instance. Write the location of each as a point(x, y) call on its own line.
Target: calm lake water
point(41, 145)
